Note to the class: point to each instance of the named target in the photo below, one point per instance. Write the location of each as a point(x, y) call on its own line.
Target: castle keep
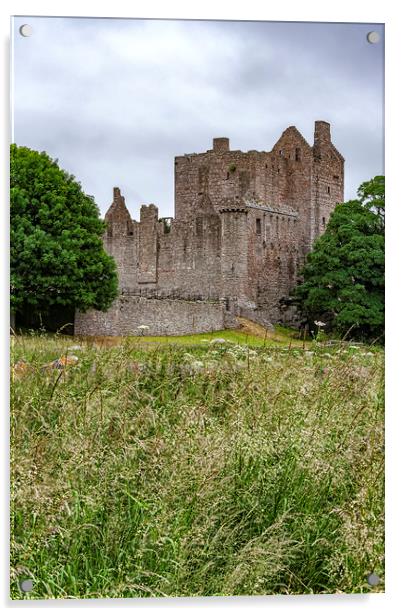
point(244, 223)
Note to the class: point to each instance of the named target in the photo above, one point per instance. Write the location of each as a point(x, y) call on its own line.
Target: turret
point(234, 250)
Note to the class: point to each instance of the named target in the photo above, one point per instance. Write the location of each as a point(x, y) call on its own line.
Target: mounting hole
point(373, 37)
point(373, 579)
point(26, 30)
point(26, 585)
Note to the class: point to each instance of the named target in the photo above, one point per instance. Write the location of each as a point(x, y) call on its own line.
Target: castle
point(244, 223)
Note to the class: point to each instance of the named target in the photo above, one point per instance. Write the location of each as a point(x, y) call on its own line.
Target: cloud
point(116, 100)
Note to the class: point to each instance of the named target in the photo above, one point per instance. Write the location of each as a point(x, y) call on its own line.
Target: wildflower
point(142, 329)
point(320, 323)
point(61, 362)
point(20, 368)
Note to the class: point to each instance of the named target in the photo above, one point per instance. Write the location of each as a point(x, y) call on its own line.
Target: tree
point(343, 279)
point(57, 257)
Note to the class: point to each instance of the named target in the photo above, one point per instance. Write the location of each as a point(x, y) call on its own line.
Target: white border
point(292, 10)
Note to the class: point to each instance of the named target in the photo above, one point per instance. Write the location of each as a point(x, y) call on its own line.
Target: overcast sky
point(115, 100)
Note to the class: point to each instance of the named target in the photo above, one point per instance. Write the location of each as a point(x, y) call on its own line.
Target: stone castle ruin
point(244, 223)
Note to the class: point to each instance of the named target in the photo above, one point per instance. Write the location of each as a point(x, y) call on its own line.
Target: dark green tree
point(57, 257)
point(343, 279)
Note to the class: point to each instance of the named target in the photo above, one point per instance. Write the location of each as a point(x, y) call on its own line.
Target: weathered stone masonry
point(244, 223)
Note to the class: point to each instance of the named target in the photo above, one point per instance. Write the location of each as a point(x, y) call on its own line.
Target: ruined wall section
point(162, 316)
point(189, 257)
point(121, 240)
point(176, 257)
point(147, 245)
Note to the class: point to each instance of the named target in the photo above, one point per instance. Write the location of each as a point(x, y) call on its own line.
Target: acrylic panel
point(197, 308)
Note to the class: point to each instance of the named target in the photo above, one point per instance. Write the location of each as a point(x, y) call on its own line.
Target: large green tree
point(57, 256)
point(343, 279)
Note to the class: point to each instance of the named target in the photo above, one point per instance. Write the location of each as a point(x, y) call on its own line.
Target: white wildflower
point(320, 323)
point(197, 365)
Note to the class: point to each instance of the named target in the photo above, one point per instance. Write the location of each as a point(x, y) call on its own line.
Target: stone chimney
point(322, 132)
point(221, 144)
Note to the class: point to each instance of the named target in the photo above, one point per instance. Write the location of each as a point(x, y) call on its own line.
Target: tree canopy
point(57, 256)
point(343, 279)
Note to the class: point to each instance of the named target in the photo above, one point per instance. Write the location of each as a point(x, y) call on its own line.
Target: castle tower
point(234, 251)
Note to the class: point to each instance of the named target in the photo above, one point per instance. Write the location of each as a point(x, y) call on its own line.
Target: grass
point(280, 337)
point(196, 469)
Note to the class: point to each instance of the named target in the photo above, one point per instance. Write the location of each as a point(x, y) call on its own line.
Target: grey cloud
point(116, 100)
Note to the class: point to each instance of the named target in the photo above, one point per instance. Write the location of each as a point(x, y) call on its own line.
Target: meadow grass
point(279, 337)
point(199, 469)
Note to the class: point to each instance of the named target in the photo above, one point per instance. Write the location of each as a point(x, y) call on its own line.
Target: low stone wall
point(162, 316)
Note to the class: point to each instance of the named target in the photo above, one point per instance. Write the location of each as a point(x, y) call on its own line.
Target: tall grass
point(175, 471)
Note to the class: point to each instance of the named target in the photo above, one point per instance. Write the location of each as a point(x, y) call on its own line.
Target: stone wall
point(163, 316)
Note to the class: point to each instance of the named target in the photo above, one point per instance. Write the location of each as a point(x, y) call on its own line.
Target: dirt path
point(250, 327)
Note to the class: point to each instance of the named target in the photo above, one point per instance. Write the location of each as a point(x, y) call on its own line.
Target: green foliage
point(57, 256)
point(344, 274)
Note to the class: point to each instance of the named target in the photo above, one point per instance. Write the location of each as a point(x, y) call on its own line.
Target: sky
point(115, 100)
